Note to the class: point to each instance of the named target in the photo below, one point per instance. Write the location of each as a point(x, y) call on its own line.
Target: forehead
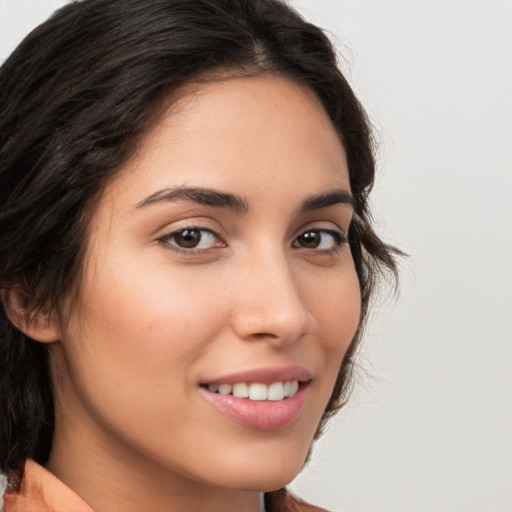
point(244, 135)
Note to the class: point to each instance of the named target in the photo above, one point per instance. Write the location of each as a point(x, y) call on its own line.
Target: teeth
point(241, 390)
point(294, 386)
point(225, 389)
point(257, 391)
point(276, 391)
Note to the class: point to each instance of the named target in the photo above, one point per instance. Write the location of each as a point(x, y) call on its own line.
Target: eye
point(192, 238)
point(320, 239)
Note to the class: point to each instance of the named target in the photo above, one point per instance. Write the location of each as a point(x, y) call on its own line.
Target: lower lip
point(260, 415)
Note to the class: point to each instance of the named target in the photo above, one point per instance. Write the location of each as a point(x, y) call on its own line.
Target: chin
point(264, 471)
point(266, 480)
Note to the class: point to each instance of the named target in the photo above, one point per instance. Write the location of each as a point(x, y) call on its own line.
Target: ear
point(36, 324)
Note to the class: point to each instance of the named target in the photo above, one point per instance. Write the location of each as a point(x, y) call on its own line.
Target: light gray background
point(429, 427)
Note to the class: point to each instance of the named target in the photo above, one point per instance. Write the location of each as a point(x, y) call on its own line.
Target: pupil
point(311, 239)
point(188, 238)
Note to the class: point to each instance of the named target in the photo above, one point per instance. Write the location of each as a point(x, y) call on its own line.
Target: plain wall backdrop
point(429, 427)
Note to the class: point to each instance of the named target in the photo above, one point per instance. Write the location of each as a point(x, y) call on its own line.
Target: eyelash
point(339, 239)
point(166, 239)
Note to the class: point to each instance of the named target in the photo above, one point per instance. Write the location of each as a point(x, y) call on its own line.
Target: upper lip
point(264, 376)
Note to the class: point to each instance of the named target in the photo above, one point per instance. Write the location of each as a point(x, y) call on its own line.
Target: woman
point(186, 254)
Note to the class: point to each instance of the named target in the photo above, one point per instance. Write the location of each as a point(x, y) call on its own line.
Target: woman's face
point(216, 263)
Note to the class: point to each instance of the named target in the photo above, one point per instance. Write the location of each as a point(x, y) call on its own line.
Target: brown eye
point(191, 238)
point(188, 238)
point(323, 239)
point(310, 240)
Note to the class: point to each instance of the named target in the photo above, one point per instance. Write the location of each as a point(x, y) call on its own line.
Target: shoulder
point(39, 490)
point(294, 504)
point(281, 500)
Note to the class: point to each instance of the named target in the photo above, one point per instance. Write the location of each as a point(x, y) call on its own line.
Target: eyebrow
point(199, 195)
point(219, 199)
point(319, 201)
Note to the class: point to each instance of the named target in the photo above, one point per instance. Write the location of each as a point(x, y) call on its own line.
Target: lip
point(264, 415)
point(261, 415)
point(264, 376)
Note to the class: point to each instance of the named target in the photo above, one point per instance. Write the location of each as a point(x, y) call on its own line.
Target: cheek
point(335, 303)
point(155, 302)
point(337, 309)
point(139, 324)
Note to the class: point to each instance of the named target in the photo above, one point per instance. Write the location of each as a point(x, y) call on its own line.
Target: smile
point(257, 391)
point(260, 406)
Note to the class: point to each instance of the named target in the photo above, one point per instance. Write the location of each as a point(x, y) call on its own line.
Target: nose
point(269, 302)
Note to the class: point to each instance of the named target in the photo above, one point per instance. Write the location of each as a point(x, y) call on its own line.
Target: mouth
point(257, 391)
point(260, 399)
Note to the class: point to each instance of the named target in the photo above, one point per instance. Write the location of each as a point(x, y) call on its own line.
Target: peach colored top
point(41, 491)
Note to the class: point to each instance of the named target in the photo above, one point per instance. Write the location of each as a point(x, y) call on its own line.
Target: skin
point(154, 321)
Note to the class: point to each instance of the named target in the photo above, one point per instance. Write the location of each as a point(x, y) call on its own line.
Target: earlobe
point(36, 324)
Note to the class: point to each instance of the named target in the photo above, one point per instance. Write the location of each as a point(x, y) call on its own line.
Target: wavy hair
point(75, 98)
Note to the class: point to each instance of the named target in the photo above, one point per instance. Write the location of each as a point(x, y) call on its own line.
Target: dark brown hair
point(74, 98)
